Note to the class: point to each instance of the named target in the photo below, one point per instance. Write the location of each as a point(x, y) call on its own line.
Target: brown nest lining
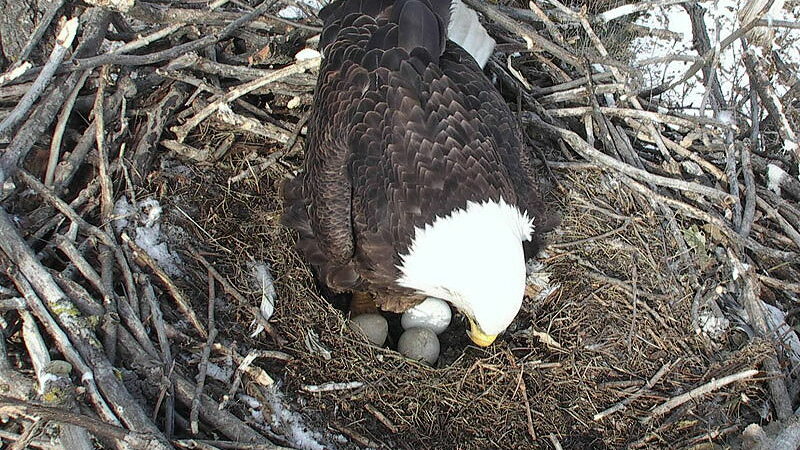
point(647, 340)
point(606, 343)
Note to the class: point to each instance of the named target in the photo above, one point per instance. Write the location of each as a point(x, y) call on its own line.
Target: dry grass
point(611, 343)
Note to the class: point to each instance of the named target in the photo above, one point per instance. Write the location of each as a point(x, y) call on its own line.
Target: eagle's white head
point(472, 258)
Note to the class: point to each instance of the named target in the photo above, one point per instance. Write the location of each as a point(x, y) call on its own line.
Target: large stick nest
point(145, 145)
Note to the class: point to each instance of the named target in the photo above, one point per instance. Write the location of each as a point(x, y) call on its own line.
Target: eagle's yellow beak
point(477, 336)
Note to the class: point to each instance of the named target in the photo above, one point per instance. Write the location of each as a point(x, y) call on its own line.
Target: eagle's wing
point(405, 128)
point(318, 201)
point(422, 148)
point(501, 123)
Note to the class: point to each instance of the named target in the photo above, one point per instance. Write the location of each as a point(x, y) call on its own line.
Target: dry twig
point(698, 392)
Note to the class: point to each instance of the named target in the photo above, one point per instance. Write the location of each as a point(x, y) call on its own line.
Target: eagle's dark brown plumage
point(405, 128)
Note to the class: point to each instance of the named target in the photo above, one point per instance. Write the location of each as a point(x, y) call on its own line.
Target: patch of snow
point(254, 406)
point(307, 53)
point(775, 177)
point(293, 12)
point(713, 326)
point(226, 114)
point(789, 146)
point(292, 426)
point(672, 18)
point(151, 241)
point(153, 211)
point(218, 373)
point(726, 117)
point(616, 13)
point(599, 68)
point(257, 415)
point(122, 210)
point(144, 221)
point(664, 60)
point(251, 402)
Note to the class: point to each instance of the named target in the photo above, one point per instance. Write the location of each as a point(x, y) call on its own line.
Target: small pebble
point(433, 314)
point(420, 344)
point(374, 326)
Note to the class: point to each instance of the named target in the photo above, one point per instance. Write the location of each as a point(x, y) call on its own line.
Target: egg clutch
point(421, 325)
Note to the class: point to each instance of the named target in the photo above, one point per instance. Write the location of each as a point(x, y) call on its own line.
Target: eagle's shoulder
point(504, 128)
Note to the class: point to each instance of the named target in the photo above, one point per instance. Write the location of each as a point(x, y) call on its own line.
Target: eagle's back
point(405, 128)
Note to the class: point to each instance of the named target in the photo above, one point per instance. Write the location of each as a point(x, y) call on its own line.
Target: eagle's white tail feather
point(465, 30)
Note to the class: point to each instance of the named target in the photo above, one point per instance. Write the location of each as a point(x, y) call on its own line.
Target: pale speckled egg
point(433, 314)
point(420, 344)
point(374, 326)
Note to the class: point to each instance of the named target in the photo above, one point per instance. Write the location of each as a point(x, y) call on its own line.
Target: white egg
point(374, 326)
point(420, 344)
point(433, 314)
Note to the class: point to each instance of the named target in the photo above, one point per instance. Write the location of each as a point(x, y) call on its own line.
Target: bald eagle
point(416, 181)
